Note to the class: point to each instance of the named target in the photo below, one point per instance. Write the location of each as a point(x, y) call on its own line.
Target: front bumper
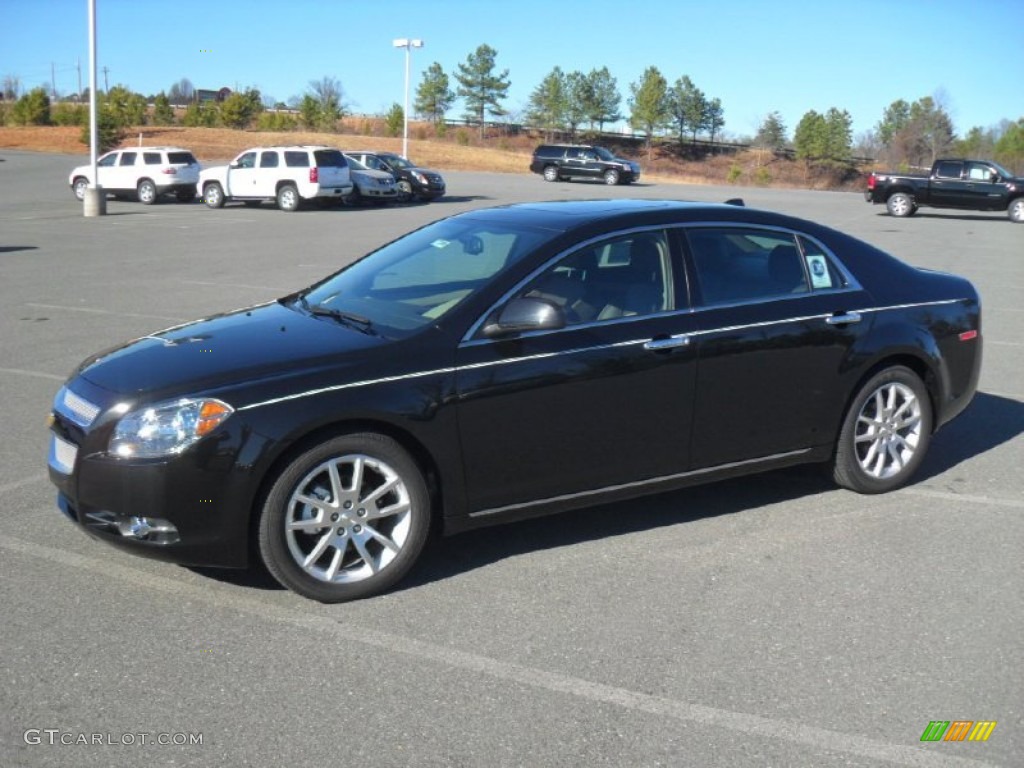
point(193, 508)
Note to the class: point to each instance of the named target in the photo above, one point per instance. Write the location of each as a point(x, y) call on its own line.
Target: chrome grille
point(79, 410)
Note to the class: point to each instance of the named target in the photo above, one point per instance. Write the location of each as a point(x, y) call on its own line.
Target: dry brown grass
point(460, 149)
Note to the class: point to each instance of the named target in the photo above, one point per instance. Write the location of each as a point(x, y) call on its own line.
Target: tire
point(550, 173)
point(611, 177)
point(900, 204)
point(288, 199)
point(213, 195)
point(185, 195)
point(885, 434)
point(364, 548)
point(404, 190)
point(78, 187)
point(146, 192)
point(1016, 210)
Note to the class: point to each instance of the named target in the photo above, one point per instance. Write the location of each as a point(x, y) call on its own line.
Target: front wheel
point(346, 519)
point(885, 434)
point(146, 192)
point(404, 191)
point(288, 198)
point(81, 184)
point(900, 204)
point(550, 173)
point(611, 177)
point(1016, 210)
point(213, 195)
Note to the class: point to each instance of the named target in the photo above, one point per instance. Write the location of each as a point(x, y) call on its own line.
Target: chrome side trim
point(577, 350)
point(636, 484)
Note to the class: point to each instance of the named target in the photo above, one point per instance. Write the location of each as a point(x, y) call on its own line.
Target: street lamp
point(408, 44)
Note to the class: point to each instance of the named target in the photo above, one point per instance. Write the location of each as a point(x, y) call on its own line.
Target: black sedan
point(505, 363)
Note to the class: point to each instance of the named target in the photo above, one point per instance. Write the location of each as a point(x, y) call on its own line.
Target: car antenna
point(736, 201)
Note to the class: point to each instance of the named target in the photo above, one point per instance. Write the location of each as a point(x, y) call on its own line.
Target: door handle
point(843, 318)
point(668, 342)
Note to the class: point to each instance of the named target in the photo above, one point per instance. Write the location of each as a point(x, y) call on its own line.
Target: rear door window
point(736, 265)
point(127, 158)
point(296, 159)
point(151, 158)
point(268, 160)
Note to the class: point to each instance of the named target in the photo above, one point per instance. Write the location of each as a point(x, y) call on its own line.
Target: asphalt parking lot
point(769, 621)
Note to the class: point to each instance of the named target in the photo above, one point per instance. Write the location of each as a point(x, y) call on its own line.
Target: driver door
point(604, 401)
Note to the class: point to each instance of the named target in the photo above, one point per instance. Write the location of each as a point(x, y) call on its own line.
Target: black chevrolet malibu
point(511, 362)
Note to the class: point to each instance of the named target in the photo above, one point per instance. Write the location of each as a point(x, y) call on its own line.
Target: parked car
point(142, 172)
point(285, 175)
point(582, 161)
point(411, 180)
point(370, 185)
point(973, 185)
point(505, 363)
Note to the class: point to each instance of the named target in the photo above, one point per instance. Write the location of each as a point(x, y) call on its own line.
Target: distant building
point(205, 96)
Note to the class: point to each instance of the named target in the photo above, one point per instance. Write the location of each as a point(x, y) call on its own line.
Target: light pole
point(408, 44)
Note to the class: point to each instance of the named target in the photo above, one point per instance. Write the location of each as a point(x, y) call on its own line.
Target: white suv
point(287, 175)
point(145, 172)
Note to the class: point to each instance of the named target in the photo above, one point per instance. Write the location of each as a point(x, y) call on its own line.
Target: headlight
point(419, 177)
point(166, 428)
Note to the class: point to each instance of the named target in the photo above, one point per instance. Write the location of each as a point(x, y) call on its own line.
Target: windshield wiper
point(348, 319)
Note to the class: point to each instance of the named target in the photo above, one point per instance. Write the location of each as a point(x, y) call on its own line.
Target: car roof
point(151, 149)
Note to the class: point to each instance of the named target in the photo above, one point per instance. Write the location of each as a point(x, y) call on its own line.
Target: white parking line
point(233, 285)
point(37, 374)
point(93, 311)
point(821, 739)
point(962, 498)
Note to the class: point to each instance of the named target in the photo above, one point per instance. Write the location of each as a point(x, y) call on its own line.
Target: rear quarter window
point(550, 152)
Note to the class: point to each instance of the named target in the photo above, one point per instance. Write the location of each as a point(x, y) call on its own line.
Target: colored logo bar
point(958, 730)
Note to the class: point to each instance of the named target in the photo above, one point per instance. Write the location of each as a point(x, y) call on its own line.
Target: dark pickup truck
point(974, 185)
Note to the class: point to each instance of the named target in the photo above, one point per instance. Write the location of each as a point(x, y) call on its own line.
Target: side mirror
point(234, 164)
point(994, 177)
point(525, 314)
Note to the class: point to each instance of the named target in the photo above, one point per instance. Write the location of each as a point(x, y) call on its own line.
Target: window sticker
point(818, 267)
point(441, 243)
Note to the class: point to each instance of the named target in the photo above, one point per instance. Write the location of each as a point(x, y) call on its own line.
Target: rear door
point(948, 187)
point(267, 173)
point(126, 174)
point(776, 320)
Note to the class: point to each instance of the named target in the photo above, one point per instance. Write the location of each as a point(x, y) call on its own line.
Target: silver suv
point(142, 172)
point(286, 175)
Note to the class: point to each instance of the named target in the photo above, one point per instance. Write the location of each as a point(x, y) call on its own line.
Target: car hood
point(371, 174)
point(247, 344)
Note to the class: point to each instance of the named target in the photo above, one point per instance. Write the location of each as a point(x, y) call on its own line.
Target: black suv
point(410, 180)
point(568, 161)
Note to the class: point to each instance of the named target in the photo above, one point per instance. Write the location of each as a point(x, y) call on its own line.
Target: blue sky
point(788, 55)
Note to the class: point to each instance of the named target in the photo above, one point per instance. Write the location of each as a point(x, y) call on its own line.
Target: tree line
point(908, 134)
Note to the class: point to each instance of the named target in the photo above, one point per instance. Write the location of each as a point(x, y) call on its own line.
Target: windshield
point(1001, 171)
point(417, 279)
point(396, 161)
point(353, 163)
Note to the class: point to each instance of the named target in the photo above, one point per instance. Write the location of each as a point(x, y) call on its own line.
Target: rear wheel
point(550, 173)
point(288, 198)
point(1016, 210)
point(346, 519)
point(885, 434)
point(900, 204)
point(80, 185)
point(611, 177)
point(213, 195)
point(146, 192)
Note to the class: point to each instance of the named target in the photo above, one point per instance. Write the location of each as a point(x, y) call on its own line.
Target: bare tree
point(11, 88)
